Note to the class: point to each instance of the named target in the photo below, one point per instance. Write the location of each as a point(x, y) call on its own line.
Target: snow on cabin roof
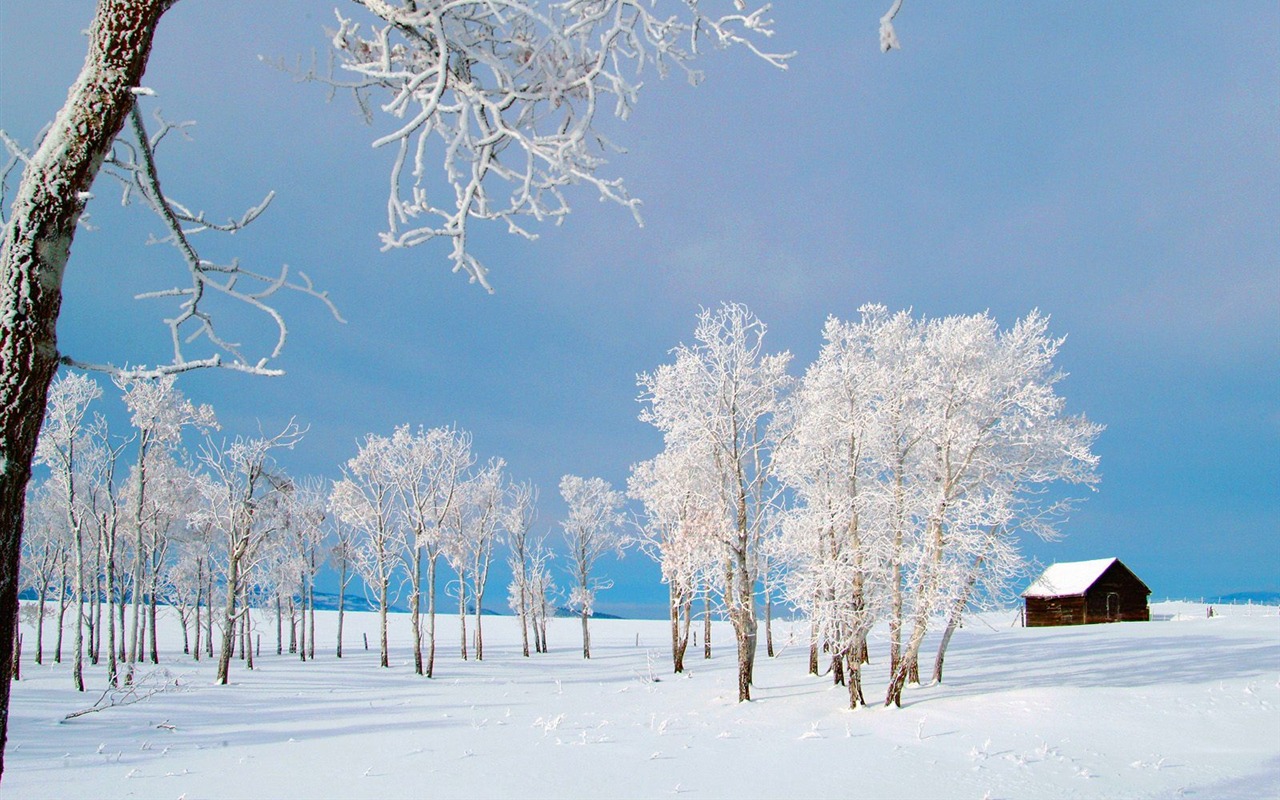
point(1068, 578)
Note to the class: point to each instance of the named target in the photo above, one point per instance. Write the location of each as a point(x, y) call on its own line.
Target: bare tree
point(342, 557)
point(365, 498)
point(238, 503)
point(494, 78)
point(64, 433)
point(593, 528)
point(428, 469)
point(679, 533)
point(522, 513)
point(716, 404)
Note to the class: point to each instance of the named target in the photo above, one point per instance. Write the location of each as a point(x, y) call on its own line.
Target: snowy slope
point(1184, 707)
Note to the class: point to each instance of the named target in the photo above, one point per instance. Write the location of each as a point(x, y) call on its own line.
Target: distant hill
point(1263, 598)
point(356, 601)
point(564, 612)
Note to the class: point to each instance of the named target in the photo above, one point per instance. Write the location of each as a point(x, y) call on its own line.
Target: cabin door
point(1113, 606)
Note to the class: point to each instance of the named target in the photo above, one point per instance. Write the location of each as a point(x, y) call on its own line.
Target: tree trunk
point(62, 614)
point(768, 627)
point(229, 623)
point(311, 621)
point(479, 622)
point(42, 224)
point(953, 619)
point(40, 626)
point(524, 620)
point(342, 603)
point(431, 616)
point(113, 675)
point(677, 652)
point(462, 611)
point(706, 625)
point(415, 617)
point(813, 648)
point(151, 624)
point(384, 658)
point(586, 635)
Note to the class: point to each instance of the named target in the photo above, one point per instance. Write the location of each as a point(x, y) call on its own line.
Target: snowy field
point(1181, 707)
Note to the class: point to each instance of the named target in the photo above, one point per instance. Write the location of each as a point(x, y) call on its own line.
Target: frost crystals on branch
point(133, 164)
point(509, 92)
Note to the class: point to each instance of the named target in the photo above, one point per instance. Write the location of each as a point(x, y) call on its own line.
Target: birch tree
point(593, 528)
point(521, 514)
point(484, 80)
point(716, 402)
point(342, 557)
point(428, 468)
point(484, 512)
point(238, 503)
point(64, 433)
point(679, 532)
point(365, 498)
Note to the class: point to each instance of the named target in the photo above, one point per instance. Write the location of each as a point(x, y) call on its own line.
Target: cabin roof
point(1069, 578)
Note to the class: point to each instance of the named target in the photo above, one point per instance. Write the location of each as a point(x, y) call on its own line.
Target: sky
point(1114, 165)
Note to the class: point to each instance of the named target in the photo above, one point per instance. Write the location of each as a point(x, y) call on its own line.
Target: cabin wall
point(1116, 601)
point(1047, 611)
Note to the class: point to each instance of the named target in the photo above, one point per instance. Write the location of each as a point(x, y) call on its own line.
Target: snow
point(1068, 578)
point(1185, 706)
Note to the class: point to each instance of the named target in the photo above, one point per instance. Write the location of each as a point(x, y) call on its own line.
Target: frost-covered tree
point(342, 557)
point(44, 550)
point(64, 433)
point(521, 514)
point(428, 468)
point(916, 449)
point(484, 512)
point(522, 78)
point(103, 457)
point(592, 528)
point(837, 539)
point(365, 498)
point(678, 531)
point(238, 503)
point(716, 404)
point(995, 436)
point(159, 414)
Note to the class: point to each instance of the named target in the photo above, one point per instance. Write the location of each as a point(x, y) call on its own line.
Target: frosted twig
point(133, 164)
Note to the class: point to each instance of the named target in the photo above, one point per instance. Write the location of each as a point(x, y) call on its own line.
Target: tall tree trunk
point(706, 625)
point(228, 622)
point(77, 668)
point(431, 615)
point(384, 658)
point(677, 653)
point(62, 613)
point(151, 619)
point(279, 625)
point(524, 618)
point(33, 260)
point(311, 621)
point(342, 604)
point(208, 619)
point(953, 619)
point(813, 648)
point(40, 625)
point(462, 611)
point(768, 626)
point(586, 635)
point(415, 616)
point(113, 675)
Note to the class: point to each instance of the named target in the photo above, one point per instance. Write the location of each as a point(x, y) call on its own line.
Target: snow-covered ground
point(1181, 707)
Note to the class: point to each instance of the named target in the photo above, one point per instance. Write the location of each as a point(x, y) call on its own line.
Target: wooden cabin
point(1085, 592)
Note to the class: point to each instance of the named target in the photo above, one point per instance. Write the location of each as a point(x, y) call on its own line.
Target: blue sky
point(1116, 165)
